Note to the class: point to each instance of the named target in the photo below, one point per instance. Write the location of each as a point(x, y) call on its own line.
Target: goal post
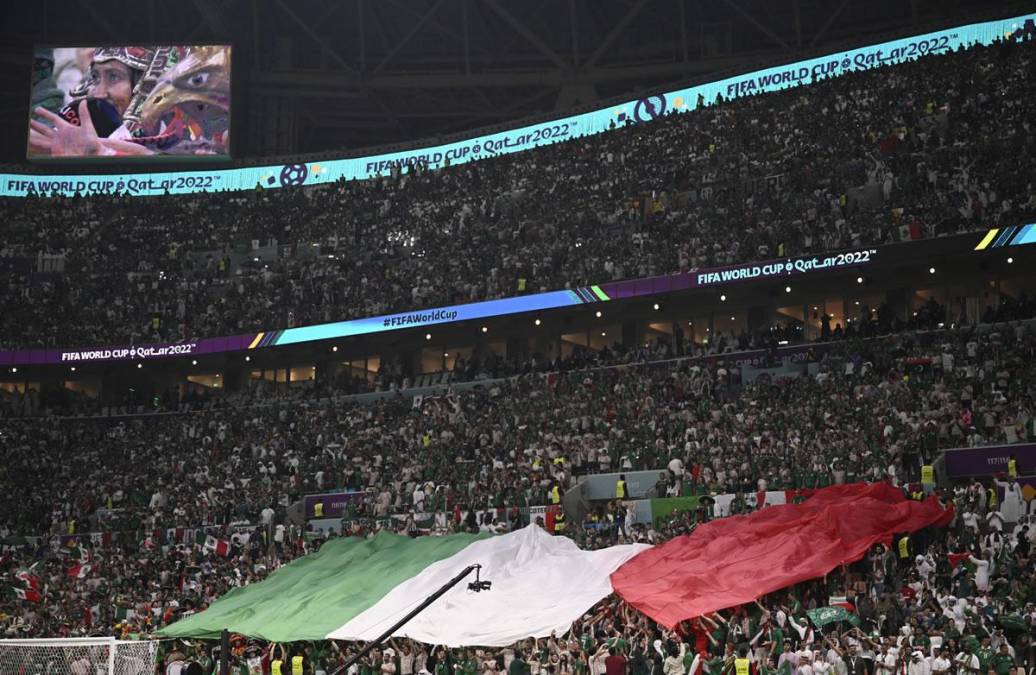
point(78, 656)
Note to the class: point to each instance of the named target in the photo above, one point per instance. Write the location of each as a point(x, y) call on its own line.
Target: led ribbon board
point(432, 317)
point(1015, 235)
point(524, 138)
point(629, 288)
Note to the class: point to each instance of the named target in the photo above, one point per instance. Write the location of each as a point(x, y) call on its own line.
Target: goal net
point(78, 656)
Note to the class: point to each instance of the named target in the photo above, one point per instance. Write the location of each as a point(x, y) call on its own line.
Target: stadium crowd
point(158, 484)
point(174, 509)
point(875, 408)
point(944, 600)
point(929, 148)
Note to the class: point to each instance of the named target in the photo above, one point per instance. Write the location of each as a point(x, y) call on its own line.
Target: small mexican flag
point(961, 559)
point(124, 614)
point(76, 552)
point(27, 594)
point(79, 570)
point(28, 577)
point(220, 546)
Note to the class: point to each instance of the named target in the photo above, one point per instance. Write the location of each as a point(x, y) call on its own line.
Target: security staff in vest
point(928, 478)
point(742, 665)
point(559, 522)
point(1012, 467)
point(277, 660)
point(620, 487)
point(903, 548)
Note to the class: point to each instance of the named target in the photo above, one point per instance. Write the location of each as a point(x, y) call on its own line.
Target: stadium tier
point(859, 160)
point(744, 388)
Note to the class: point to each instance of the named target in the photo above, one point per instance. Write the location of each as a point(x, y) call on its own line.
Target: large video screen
point(114, 102)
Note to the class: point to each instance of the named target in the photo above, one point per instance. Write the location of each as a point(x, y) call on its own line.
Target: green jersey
point(1002, 663)
point(619, 644)
point(985, 656)
point(518, 667)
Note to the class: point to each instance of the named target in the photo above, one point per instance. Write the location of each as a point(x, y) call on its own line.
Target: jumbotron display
point(130, 101)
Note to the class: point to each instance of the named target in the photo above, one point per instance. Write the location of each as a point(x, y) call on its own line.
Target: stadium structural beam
point(406, 619)
point(338, 85)
point(101, 20)
point(324, 19)
point(467, 36)
point(380, 104)
point(524, 31)
point(573, 32)
point(431, 20)
point(827, 24)
point(615, 32)
point(211, 15)
point(324, 44)
point(797, 11)
point(224, 652)
point(361, 35)
point(504, 48)
point(212, 18)
point(516, 106)
point(682, 6)
point(414, 30)
point(755, 22)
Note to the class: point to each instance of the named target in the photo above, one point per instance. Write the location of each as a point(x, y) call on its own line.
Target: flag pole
point(417, 610)
point(224, 652)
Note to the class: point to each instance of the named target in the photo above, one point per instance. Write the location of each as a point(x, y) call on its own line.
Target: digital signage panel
point(124, 102)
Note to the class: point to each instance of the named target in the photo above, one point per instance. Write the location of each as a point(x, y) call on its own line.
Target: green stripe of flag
point(310, 597)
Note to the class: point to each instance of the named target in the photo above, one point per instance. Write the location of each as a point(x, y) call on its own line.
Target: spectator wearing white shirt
point(995, 521)
point(925, 565)
point(967, 663)
point(970, 520)
point(821, 666)
point(266, 515)
point(939, 663)
point(788, 656)
point(981, 573)
point(887, 661)
point(918, 664)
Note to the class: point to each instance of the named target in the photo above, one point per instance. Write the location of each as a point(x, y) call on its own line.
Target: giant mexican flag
point(355, 589)
point(310, 597)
